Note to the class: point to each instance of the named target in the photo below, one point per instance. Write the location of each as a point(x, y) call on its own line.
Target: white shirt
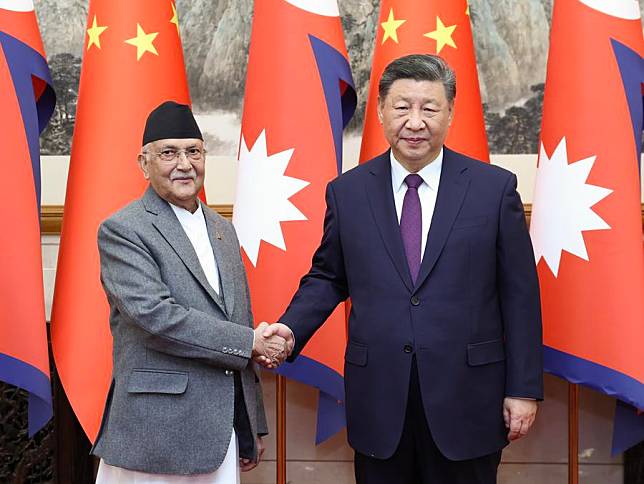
point(194, 225)
point(427, 191)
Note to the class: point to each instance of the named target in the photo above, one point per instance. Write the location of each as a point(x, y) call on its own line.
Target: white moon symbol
point(17, 5)
point(626, 9)
point(328, 8)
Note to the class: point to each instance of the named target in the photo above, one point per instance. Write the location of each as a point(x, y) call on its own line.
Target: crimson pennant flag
point(133, 61)
point(299, 97)
point(27, 101)
point(586, 222)
point(439, 27)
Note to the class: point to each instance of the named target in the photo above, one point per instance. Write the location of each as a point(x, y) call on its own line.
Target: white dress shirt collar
point(430, 174)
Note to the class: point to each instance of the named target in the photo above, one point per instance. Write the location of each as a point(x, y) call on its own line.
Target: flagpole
point(280, 385)
point(573, 433)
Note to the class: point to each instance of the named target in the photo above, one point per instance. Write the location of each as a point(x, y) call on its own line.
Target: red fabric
point(467, 132)
point(116, 94)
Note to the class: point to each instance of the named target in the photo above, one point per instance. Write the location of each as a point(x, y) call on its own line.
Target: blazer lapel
point(453, 185)
point(169, 227)
point(383, 208)
point(224, 260)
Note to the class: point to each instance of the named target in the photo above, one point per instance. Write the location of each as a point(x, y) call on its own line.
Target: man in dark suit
point(443, 361)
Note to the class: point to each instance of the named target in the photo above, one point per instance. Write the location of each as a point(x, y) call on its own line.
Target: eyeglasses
point(169, 155)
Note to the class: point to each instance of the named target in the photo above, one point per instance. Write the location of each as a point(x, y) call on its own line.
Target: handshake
point(272, 344)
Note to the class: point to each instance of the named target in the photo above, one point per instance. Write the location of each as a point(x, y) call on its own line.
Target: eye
point(194, 151)
point(167, 153)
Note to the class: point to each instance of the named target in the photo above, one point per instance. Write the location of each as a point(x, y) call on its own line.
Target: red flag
point(586, 221)
point(429, 27)
point(299, 96)
point(27, 101)
point(132, 62)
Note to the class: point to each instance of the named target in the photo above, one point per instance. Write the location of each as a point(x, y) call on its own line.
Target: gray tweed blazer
point(176, 344)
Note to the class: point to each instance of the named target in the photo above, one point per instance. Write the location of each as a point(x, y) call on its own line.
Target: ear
point(142, 160)
point(379, 103)
point(451, 113)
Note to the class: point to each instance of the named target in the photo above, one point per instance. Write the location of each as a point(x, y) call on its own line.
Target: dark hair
point(419, 67)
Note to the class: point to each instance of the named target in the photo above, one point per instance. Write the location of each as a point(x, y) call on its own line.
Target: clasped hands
point(272, 344)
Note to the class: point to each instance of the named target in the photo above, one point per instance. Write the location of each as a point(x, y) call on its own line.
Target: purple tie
point(411, 224)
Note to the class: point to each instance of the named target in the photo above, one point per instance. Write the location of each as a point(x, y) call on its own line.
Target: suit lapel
point(454, 183)
point(224, 261)
point(169, 227)
point(383, 208)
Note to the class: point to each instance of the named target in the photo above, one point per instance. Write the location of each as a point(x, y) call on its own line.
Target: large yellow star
point(94, 33)
point(143, 42)
point(175, 17)
point(442, 35)
point(390, 27)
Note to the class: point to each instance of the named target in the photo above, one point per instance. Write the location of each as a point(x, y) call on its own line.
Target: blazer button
point(415, 301)
point(228, 373)
point(408, 349)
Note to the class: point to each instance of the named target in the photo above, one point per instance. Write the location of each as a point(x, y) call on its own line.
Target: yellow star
point(467, 10)
point(390, 27)
point(175, 17)
point(143, 42)
point(94, 33)
point(442, 35)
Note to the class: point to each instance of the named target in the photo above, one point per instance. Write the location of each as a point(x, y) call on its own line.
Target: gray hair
point(419, 67)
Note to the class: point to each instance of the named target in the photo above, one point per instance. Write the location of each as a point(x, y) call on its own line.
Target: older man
point(443, 362)
point(185, 402)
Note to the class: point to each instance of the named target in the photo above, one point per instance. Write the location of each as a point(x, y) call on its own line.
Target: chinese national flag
point(133, 61)
point(299, 96)
point(586, 222)
point(439, 27)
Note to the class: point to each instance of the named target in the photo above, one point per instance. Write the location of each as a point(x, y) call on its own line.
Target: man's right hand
point(280, 329)
point(268, 350)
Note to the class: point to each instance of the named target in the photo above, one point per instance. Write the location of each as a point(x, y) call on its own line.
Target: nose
point(414, 120)
point(183, 163)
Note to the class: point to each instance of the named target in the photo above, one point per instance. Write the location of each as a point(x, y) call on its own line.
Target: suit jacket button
point(228, 372)
point(415, 301)
point(408, 349)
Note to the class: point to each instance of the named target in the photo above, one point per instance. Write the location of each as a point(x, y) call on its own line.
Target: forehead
point(177, 143)
point(411, 89)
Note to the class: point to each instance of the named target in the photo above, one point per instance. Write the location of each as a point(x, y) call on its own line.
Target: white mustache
point(179, 175)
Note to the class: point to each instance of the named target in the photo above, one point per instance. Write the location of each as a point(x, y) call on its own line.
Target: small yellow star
point(390, 27)
point(143, 42)
point(94, 33)
point(442, 35)
point(175, 17)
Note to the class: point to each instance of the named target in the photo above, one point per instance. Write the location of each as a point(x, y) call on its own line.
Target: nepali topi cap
point(171, 120)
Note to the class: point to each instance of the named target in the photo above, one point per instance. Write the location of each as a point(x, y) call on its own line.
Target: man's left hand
point(248, 464)
point(519, 415)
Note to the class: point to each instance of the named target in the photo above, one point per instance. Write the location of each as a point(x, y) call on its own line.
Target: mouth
point(414, 141)
point(183, 180)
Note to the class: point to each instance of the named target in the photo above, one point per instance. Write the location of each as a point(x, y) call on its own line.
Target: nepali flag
point(299, 97)
point(27, 101)
point(586, 222)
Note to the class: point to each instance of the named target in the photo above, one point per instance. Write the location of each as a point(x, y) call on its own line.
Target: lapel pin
point(218, 235)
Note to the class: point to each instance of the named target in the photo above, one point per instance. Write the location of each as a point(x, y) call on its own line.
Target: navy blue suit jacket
point(472, 319)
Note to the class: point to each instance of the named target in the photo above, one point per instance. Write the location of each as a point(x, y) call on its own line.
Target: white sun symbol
point(562, 207)
point(263, 193)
